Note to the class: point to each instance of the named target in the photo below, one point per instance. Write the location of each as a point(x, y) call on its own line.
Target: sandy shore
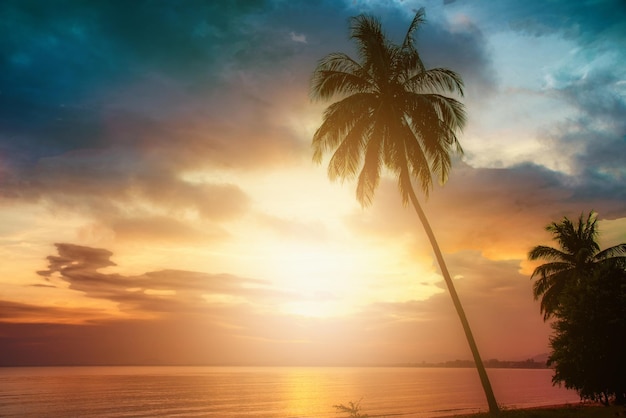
point(572, 406)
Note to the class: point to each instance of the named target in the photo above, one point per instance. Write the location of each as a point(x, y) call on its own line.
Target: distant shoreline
point(493, 364)
point(450, 364)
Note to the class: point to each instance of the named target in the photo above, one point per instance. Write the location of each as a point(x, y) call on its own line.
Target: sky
point(160, 205)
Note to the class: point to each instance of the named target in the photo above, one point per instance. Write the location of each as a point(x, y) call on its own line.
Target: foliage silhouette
point(392, 113)
point(584, 289)
point(578, 256)
point(590, 337)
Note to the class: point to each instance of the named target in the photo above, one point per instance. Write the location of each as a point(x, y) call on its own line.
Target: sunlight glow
point(318, 276)
point(316, 309)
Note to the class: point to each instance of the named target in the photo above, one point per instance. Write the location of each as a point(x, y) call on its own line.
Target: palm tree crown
point(392, 112)
point(579, 255)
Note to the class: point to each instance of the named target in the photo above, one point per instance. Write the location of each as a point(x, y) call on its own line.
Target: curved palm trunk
point(484, 379)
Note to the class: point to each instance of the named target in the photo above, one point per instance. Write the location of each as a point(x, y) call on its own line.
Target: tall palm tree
point(578, 257)
point(392, 113)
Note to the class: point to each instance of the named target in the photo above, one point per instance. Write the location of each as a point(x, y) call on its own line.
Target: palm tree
point(393, 113)
point(576, 260)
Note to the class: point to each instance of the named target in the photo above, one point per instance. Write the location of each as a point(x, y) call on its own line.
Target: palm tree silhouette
point(578, 257)
point(392, 113)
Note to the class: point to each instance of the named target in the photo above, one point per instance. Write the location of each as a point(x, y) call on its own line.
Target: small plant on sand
point(353, 408)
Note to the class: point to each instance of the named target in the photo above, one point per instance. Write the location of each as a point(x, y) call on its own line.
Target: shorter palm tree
point(577, 259)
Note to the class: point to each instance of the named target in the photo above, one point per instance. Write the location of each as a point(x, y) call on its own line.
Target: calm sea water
point(264, 392)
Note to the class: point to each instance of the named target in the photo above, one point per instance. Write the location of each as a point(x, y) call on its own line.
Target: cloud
point(591, 21)
point(184, 317)
point(598, 130)
point(130, 342)
point(165, 292)
point(155, 229)
point(123, 121)
point(545, 112)
point(587, 21)
point(505, 322)
point(462, 47)
point(297, 37)
point(129, 197)
point(500, 212)
point(497, 300)
point(23, 313)
point(294, 229)
point(224, 91)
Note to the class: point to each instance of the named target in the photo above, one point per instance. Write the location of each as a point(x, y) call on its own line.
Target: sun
point(321, 279)
point(332, 278)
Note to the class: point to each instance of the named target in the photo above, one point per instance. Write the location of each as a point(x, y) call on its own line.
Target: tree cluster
point(584, 290)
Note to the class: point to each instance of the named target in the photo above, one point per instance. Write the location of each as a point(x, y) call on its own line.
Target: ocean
point(265, 391)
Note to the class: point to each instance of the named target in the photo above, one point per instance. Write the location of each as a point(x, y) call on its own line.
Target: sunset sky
point(159, 203)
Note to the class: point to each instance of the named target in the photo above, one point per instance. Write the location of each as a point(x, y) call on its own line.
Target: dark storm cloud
point(587, 21)
point(599, 129)
point(595, 88)
point(462, 48)
point(101, 96)
point(595, 91)
point(61, 58)
point(100, 183)
point(103, 103)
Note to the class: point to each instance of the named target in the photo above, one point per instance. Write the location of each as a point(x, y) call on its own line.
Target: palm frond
point(404, 185)
point(339, 61)
point(572, 238)
point(440, 161)
point(336, 74)
point(406, 59)
point(550, 296)
point(548, 253)
point(372, 46)
point(437, 117)
point(436, 80)
point(346, 160)
point(436, 135)
point(410, 162)
point(369, 176)
point(327, 84)
point(617, 251)
point(550, 269)
point(450, 111)
point(417, 161)
point(419, 19)
point(338, 120)
point(588, 230)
